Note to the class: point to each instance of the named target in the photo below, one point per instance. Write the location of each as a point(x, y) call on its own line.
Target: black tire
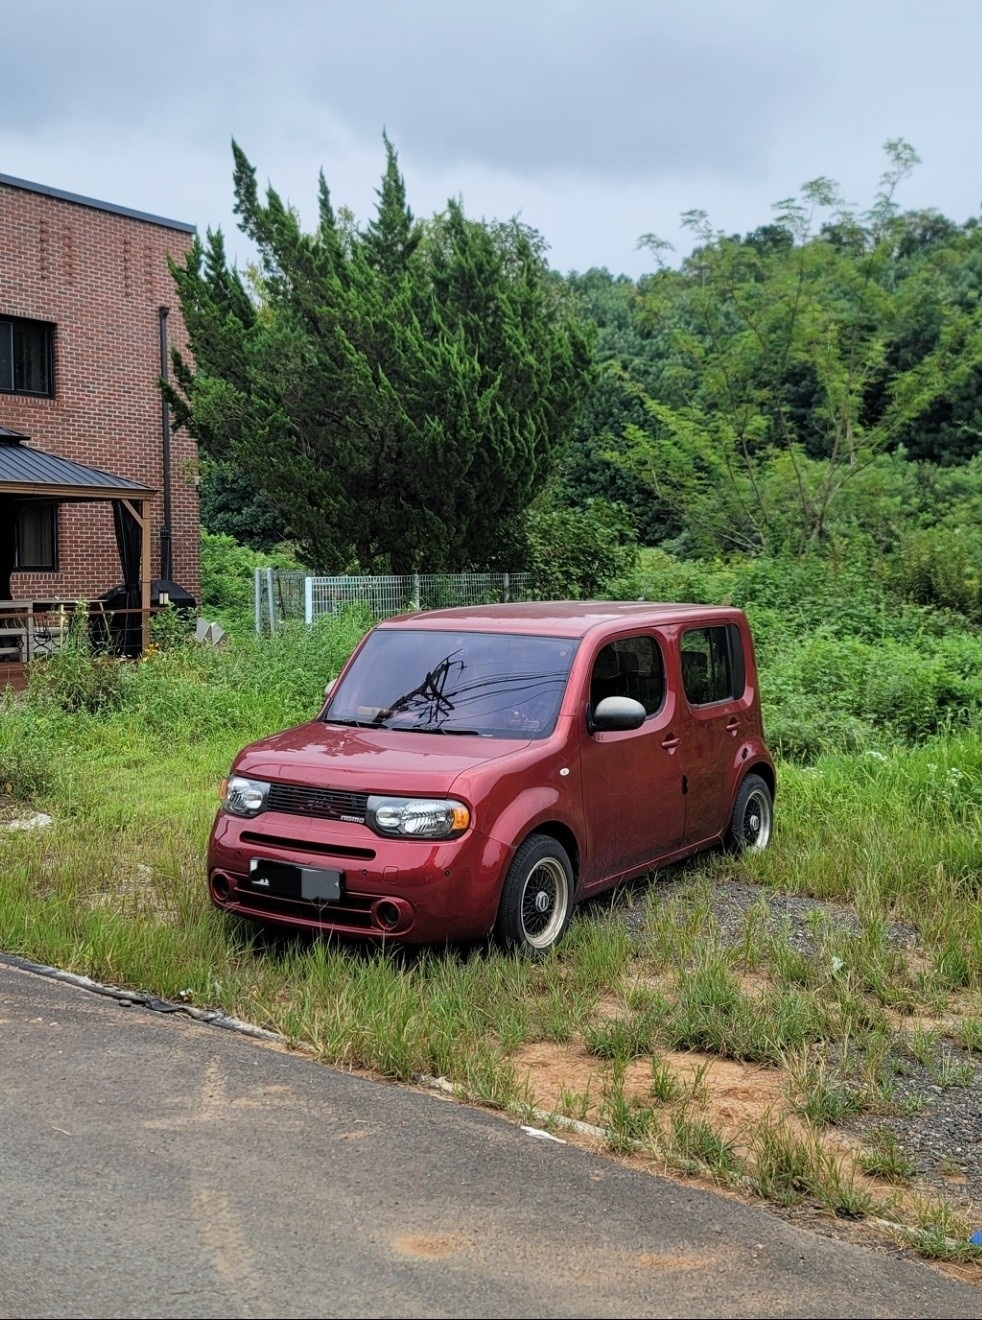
point(536, 898)
point(753, 817)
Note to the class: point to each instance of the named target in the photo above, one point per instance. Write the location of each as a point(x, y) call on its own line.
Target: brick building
point(87, 305)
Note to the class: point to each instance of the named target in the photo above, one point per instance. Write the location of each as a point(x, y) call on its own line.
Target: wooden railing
point(32, 630)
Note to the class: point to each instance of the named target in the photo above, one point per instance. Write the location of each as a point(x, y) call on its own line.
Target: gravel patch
point(943, 1138)
point(796, 917)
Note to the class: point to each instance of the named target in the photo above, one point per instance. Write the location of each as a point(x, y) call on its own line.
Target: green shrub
point(74, 678)
point(28, 737)
point(825, 693)
point(941, 566)
point(228, 577)
point(574, 553)
point(843, 663)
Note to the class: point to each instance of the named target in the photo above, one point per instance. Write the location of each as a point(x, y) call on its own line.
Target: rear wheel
point(753, 816)
point(537, 897)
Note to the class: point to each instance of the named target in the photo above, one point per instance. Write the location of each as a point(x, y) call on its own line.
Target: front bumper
point(410, 890)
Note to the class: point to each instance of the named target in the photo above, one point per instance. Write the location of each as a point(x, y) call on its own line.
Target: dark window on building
point(712, 664)
point(630, 667)
point(37, 537)
point(26, 359)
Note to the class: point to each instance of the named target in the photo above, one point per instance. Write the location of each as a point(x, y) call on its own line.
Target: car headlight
point(418, 818)
point(244, 797)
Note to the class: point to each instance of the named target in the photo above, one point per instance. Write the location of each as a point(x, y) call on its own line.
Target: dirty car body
point(478, 771)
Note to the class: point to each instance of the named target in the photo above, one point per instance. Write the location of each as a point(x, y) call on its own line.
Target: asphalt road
point(151, 1165)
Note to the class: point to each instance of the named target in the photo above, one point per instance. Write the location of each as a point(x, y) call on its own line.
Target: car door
point(713, 718)
point(632, 779)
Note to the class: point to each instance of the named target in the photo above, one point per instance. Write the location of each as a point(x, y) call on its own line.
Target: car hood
point(370, 760)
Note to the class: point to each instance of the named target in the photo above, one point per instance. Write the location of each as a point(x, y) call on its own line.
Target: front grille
point(329, 803)
point(353, 912)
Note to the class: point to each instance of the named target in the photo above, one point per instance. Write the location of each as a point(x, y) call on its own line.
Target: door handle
point(732, 725)
point(671, 742)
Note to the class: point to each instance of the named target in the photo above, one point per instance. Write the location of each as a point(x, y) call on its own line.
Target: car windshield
point(492, 684)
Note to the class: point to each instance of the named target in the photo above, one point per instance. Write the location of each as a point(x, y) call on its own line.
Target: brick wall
point(100, 278)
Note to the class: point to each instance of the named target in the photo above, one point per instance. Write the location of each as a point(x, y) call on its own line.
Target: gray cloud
point(610, 91)
point(605, 91)
point(595, 120)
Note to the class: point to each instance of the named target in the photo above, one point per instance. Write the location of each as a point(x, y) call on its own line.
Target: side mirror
point(615, 714)
point(327, 687)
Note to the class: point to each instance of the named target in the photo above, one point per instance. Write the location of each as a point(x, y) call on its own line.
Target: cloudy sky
point(594, 120)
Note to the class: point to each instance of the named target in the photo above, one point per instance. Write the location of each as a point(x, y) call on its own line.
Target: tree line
point(427, 394)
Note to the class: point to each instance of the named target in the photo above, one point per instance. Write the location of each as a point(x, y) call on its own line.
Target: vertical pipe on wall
point(166, 563)
point(143, 518)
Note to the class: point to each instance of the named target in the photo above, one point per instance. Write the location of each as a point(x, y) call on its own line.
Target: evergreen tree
point(398, 394)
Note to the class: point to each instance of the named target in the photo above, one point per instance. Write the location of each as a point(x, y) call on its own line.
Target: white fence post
point(257, 592)
point(308, 600)
point(272, 603)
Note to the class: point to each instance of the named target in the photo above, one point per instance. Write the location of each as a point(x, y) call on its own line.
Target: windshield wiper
point(402, 727)
point(354, 724)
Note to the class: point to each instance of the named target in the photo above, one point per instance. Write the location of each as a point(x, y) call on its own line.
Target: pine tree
point(399, 393)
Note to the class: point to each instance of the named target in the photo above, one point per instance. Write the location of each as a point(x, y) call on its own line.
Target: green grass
point(821, 1090)
point(127, 760)
point(884, 1158)
point(695, 1145)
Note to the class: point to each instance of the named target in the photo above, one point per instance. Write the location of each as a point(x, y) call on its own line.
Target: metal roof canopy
point(31, 474)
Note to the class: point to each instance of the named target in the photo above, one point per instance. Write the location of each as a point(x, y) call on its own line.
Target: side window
point(630, 667)
point(712, 664)
point(26, 358)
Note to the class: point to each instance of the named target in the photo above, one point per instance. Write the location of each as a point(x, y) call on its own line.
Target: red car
point(476, 771)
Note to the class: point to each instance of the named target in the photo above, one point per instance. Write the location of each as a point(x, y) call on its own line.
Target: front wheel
point(537, 897)
point(753, 815)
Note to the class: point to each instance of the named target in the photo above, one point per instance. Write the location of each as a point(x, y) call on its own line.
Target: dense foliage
point(748, 395)
point(228, 578)
point(397, 394)
point(233, 506)
point(850, 659)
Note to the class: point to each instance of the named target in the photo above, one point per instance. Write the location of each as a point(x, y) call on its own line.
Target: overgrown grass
point(127, 757)
point(847, 662)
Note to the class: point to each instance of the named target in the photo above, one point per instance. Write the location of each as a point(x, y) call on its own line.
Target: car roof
point(557, 618)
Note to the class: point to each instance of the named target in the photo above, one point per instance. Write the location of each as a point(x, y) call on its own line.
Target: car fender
point(751, 757)
point(523, 815)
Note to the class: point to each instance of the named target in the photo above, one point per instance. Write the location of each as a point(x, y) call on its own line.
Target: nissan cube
point(476, 772)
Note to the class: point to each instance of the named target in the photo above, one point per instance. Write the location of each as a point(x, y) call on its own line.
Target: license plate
point(312, 883)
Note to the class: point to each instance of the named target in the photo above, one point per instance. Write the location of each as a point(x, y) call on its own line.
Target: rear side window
point(630, 667)
point(713, 666)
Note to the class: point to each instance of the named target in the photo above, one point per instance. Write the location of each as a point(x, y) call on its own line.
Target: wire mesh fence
point(281, 595)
